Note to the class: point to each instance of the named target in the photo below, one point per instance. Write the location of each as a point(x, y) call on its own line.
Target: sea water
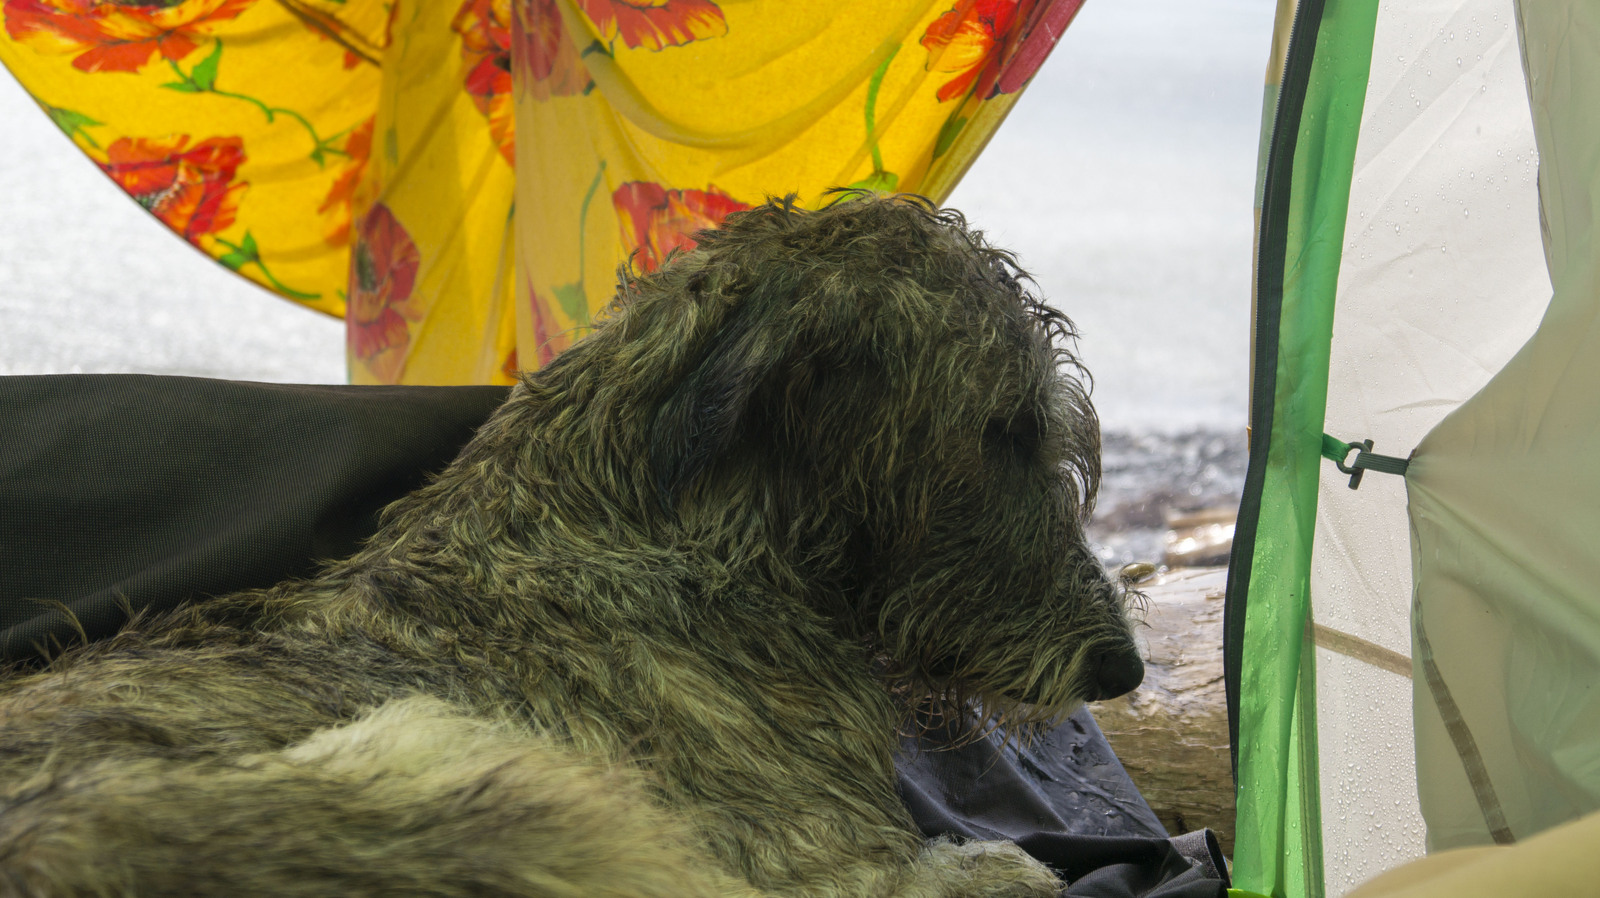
point(1124, 179)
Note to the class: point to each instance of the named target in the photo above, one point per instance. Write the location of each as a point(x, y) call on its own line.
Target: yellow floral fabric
point(460, 180)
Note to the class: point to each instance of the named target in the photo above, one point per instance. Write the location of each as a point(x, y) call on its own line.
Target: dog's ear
point(704, 414)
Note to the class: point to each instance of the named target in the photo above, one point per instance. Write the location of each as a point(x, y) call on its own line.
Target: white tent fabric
point(1442, 278)
point(1505, 498)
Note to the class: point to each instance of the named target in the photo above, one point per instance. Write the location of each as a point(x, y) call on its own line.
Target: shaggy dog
point(653, 633)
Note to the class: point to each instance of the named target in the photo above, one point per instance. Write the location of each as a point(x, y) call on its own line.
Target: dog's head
point(864, 405)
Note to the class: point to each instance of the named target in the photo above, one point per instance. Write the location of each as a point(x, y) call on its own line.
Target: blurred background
point(1124, 179)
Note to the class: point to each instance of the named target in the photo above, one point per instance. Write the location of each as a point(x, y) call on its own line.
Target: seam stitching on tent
point(1466, 746)
point(1352, 646)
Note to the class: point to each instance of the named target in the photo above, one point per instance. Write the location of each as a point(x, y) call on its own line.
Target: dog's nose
point(1119, 673)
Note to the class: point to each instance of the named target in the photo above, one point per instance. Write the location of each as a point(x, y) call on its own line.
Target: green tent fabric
point(1413, 664)
point(1303, 211)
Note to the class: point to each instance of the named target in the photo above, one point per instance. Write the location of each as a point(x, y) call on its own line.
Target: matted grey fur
point(653, 633)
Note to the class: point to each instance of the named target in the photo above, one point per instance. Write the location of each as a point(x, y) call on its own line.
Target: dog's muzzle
point(1119, 672)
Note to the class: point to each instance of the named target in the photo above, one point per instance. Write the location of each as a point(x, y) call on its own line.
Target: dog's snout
point(1119, 672)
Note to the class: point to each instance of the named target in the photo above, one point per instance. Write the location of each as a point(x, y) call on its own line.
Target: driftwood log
point(1171, 734)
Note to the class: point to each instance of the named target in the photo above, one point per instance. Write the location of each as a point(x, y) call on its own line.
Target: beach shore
point(1158, 489)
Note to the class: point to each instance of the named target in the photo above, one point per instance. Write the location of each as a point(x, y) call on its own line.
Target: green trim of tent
point(1271, 682)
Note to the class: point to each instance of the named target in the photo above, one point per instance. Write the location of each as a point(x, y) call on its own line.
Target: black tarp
point(129, 492)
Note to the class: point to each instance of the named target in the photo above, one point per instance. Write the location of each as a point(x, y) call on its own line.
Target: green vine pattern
point(880, 179)
point(73, 124)
point(572, 298)
point(245, 253)
point(202, 79)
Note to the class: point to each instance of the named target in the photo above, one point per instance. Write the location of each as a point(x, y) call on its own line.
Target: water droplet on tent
point(1458, 60)
point(1465, 214)
point(1443, 248)
point(1419, 104)
point(1397, 229)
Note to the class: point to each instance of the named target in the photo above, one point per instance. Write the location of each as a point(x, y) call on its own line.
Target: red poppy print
point(655, 25)
point(1042, 26)
point(994, 46)
point(190, 188)
point(547, 63)
point(379, 310)
point(116, 35)
point(347, 194)
point(485, 29)
point(655, 220)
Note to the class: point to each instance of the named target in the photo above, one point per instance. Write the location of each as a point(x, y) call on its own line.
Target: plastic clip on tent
point(1365, 459)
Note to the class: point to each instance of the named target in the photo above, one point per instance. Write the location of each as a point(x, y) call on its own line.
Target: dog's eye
point(1018, 435)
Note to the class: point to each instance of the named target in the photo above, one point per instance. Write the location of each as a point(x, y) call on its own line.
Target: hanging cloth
point(362, 157)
